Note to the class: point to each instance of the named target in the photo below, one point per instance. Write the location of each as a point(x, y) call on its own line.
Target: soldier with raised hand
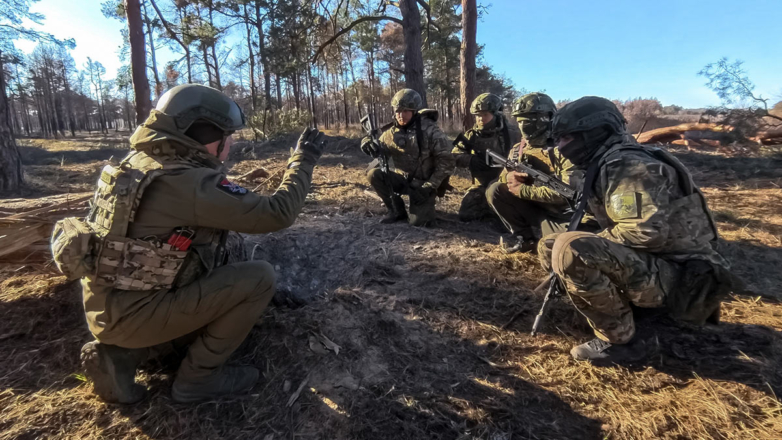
point(527, 211)
point(491, 132)
point(156, 264)
point(655, 246)
point(420, 160)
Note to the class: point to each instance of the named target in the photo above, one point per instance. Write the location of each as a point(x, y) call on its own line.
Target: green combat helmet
point(588, 115)
point(190, 102)
point(407, 99)
point(486, 102)
point(532, 103)
point(533, 112)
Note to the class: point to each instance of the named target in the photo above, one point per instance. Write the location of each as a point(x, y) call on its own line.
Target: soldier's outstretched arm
point(637, 201)
point(224, 205)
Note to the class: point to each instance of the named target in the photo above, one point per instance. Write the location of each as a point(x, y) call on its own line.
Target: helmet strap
point(221, 146)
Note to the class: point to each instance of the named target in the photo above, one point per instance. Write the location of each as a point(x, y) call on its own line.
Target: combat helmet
point(486, 102)
point(188, 103)
point(588, 114)
point(407, 99)
point(533, 103)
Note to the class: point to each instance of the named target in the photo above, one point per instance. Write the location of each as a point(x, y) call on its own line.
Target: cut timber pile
point(25, 232)
point(769, 137)
point(705, 133)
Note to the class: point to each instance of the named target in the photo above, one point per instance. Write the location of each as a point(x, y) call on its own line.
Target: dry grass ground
point(420, 317)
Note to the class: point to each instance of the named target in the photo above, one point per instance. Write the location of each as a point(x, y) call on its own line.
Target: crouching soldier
point(527, 211)
point(655, 244)
point(419, 160)
point(491, 132)
point(150, 254)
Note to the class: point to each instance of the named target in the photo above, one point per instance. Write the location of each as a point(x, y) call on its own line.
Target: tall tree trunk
point(267, 79)
point(68, 102)
point(10, 161)
point(253, 90)
point(138, 60)
point(467, 61)
point(413, 58)
point(150, 35)
point(312, 96)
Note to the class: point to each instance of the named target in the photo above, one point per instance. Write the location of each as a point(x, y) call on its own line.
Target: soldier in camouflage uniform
point(158, 222)
point(491, 132)
point(527, 211)
point(655, 245)
point(419, 158)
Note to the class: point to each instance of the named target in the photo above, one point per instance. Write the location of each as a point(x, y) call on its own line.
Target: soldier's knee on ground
point(422, 214)
point(574, 254)
point(545, 245)
point(474, 206)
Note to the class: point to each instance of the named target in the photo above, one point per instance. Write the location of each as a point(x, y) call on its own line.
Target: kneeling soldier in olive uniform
point(655, 245)
point(154, 268)
point(527, 211)
point(419, 157)
point(491, 132)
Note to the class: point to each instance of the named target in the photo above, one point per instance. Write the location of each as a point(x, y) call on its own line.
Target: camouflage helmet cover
point(190, 102)
point(486, 102)
point(533, 103)
point(585, 114)
point(407, 99)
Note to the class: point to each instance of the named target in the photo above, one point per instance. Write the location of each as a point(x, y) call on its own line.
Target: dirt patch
point(419, 316)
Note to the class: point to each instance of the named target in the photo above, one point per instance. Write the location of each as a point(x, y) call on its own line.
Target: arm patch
point(231, 188)
point(626, 205)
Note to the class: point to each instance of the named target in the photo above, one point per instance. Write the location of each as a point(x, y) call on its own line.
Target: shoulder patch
point(231, 187)
point(626, 205)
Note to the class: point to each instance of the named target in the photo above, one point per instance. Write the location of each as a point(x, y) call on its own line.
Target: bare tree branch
point(348, 28)
point(167, 25)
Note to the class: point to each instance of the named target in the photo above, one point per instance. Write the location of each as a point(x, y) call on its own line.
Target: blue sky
point(570, 48)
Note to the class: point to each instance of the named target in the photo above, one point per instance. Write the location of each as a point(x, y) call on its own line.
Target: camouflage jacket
point(498, 140)
point(541, 160)
point(431, 162)
point(645, 198)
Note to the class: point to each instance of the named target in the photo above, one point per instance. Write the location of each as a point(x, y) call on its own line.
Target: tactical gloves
point(311, 141)
point(370, 147)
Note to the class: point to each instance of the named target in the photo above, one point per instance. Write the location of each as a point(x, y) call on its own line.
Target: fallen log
point(676, 132)
point(769, 137)
point(28, 232)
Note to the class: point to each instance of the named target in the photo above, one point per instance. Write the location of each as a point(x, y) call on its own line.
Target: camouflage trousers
point(525, 218)
point(603, 278)
point(474, 205)
point(388, 186)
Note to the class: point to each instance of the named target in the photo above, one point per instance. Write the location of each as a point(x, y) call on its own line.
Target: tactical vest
point(109, 256)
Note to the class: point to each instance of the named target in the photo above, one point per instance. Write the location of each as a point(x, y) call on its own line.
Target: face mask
point(535, 130)
point(575, 151)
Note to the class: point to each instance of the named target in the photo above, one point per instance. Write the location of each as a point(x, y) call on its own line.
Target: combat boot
point(224, 381)
point(521, 245)
point(396, 210)
point(600, 352)
point(112, 371)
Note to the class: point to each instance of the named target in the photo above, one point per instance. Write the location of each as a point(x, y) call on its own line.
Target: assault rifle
point(370, 126)
point(539, 178)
